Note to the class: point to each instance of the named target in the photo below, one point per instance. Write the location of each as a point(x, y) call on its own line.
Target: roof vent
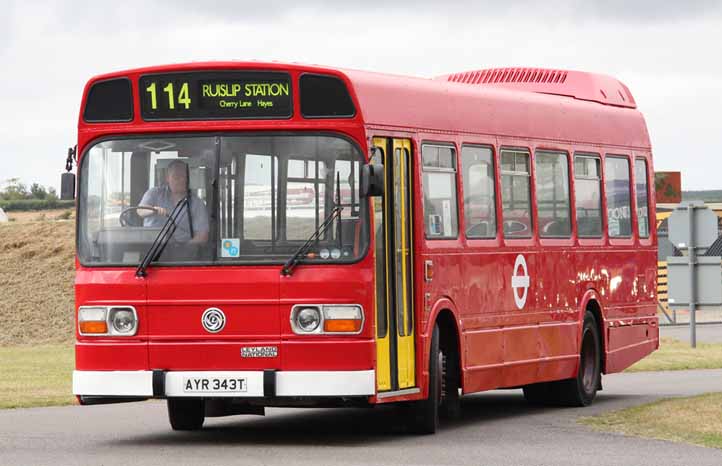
point(510, 75)
point(578, 84)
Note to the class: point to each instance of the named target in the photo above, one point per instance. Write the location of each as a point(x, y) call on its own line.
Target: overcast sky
point(668, 52)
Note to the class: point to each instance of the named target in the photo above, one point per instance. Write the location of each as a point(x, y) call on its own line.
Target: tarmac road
point(496, 428)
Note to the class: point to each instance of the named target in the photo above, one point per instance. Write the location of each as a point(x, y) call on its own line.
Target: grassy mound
point(36, 281)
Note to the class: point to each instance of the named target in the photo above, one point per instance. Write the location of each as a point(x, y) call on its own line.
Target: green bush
point(64, 215)
point(35, 204)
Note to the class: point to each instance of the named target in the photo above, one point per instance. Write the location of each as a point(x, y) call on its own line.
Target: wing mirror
point(67, 186)
point(372, 180)
point(67, 180)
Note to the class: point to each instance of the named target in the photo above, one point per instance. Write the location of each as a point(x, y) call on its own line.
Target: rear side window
point(439, 179)
point(640, 177)
point(477, 172)
point(515, 193)
point(552, 194)
point(616, 184)
point(588, 193)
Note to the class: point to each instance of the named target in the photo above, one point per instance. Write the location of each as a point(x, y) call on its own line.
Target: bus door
point(394, 268)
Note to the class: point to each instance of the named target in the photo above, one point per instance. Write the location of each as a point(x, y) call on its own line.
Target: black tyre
point(424, 417)
point(186, 413)
point(450, 402)
point(582, 389)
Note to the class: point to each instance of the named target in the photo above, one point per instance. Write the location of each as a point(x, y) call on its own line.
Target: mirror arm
point(72, 156)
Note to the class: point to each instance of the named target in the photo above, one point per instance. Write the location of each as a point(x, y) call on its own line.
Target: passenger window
point(477, 171)
point(588, 192)
point(515, 195)
point(640, 176)
point(616, 183)
point(552, 194)
point(439, 179)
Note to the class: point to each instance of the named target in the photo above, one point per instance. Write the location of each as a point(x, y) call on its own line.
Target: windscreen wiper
point(301, 252)
point(161, 240)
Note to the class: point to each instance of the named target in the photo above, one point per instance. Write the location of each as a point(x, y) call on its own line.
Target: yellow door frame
point(398, 357)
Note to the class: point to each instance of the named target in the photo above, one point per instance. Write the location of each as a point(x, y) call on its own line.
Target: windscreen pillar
point(139, 173)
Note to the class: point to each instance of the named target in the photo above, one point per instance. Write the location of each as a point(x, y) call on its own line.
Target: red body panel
point(500, 345)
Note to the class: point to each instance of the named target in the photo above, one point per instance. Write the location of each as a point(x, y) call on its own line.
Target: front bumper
point(258, 383)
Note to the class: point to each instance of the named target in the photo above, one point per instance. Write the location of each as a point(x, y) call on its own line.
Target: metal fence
point(669, 316)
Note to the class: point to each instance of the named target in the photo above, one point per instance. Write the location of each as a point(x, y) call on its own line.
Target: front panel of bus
point(225, 176)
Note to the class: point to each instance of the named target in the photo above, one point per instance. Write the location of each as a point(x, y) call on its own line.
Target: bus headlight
point(308, 319)
point(107, 321)
point(313, 319)
point(123, 320)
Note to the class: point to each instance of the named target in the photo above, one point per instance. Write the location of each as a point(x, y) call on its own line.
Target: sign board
point(215, 95)
point(668, 187)
point(708, 281)
point(705, 226)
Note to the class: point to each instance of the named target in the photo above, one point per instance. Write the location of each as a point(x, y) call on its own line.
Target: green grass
point(696, 420)
point(675, 355)
point(32, 376)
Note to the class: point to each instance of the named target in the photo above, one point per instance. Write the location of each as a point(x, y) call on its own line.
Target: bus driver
point(164, 198)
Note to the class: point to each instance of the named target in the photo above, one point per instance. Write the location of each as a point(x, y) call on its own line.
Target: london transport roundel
point(213, 320)
point(520, 281)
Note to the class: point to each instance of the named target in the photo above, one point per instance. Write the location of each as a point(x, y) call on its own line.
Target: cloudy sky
point(668, 52)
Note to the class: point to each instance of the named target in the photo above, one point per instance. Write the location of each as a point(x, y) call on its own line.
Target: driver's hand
point(162, 211)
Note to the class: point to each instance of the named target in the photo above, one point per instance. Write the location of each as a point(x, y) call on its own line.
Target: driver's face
point(177, 180)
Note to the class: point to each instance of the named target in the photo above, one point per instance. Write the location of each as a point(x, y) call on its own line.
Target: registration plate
point(214, 384)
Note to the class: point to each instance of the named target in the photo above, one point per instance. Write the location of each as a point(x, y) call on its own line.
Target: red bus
point(262, 234)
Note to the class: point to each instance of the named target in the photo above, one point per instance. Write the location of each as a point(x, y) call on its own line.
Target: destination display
point(215, 95)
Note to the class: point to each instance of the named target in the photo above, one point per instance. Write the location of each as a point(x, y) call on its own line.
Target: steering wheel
point(124, 218)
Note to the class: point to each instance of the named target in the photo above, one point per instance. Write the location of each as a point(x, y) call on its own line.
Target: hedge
point(36, 204)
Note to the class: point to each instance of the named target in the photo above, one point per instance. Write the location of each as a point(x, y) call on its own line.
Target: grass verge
point(695, 420)
point(36, 376)
point(675, 355)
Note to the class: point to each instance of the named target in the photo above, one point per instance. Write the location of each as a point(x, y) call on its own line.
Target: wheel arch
point(444, 314)
point(591, 302)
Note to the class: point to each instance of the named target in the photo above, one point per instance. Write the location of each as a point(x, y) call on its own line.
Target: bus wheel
point(450, 402)
point(581, 390)
point(186, 413)
point(424, 417)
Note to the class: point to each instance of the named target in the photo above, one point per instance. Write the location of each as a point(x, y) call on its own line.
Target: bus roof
point(447, 105)
point(493, 102)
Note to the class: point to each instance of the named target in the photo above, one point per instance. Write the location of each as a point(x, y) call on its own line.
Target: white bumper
point(287, 383)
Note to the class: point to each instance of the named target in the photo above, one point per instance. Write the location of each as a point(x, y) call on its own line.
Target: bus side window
point(552, 194)
point(515, 193)
point(640, 177)
point(440, 208)
point(617, 187)
point(477, 172)
point(588, 192)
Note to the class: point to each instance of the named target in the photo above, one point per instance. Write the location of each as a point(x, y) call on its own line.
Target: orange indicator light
point(342, 325)
point(93, 327)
